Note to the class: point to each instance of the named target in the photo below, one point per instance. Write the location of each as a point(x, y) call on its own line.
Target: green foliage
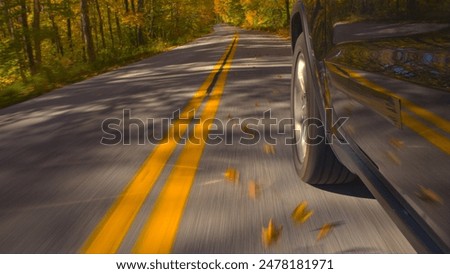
point(121, 31)
point(11, 94)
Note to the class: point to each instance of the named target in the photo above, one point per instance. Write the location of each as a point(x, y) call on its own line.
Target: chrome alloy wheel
point(300, 107)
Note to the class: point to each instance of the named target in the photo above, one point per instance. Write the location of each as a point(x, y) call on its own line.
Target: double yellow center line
point(158, 234)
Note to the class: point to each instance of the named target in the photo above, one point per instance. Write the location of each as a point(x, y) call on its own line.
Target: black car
point(371, 99)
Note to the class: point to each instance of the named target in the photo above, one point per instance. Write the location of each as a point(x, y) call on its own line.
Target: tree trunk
point(7, 18)
point(412, 8)
point(111, 34)
point(68, 24)
point(127, 9)
point(83, 46)
point(119, 29)
point(152, 20)
point(100, 22)
point(94, 28)
point(288, 12)
point(12, 33)
point(140, 34)
point(56, 38)
point(69, 33)
point(26, 36)
point(87, 33)
point(132, 6)
point(37, 32)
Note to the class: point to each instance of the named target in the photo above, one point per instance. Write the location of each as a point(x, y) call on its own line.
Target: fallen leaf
point(399, 144)
point(232, 175)
point(429, 195)
point(301, 214)
point(269, 149)
point(325, 231)
point(253, 189)
point(257, 104)
point(246, 129)
point(271, 234)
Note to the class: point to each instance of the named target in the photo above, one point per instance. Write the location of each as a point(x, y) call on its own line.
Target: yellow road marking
point(110, 232)
point(158, 235)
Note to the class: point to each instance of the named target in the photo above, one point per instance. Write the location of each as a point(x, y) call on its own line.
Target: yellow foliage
point(250, 17)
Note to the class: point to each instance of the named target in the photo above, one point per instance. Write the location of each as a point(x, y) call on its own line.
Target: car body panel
point(386, 67)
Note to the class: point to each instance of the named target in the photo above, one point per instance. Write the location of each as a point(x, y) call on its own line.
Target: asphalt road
point(62, 191)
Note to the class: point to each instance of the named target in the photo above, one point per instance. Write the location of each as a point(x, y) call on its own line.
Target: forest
point(48, 43)
point(270, 15)
point(45, 44)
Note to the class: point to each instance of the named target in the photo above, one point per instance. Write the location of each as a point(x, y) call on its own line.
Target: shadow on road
point(355, 189)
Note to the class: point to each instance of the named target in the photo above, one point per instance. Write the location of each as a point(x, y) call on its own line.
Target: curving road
point(62, 191)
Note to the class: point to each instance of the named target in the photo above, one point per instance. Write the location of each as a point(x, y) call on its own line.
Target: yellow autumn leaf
point(325, 231)
point(301, 213)
point(232, 175)
point(429, 195)
point(269, 149)
point(271, 234)
point(399, 144)
point(253, 189)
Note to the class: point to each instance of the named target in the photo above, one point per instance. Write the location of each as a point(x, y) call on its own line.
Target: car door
point(387, 70)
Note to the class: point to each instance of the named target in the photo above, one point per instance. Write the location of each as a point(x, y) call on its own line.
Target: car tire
point(314, 159)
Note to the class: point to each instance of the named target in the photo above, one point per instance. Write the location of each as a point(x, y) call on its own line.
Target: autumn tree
point(87, 34)
point(259, 14)
point(48, 42)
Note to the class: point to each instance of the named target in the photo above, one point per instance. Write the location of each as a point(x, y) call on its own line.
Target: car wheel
point(314, 160)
